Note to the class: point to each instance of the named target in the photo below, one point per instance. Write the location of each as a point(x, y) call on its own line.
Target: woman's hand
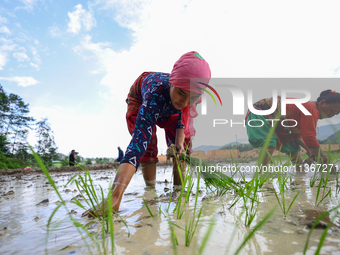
point(99, 210)
point(122, 179)
point(323, 157)
point(180, 149)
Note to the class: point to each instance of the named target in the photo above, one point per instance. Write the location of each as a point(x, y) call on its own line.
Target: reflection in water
point(26, 222)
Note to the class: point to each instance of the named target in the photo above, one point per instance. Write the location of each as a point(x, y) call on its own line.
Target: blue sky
point(74, 61)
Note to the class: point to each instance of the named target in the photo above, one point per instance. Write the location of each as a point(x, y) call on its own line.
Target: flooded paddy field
point(26, 205)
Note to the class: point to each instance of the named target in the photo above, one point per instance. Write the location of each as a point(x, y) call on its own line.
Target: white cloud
point(34, 66)
point(21, 81)
point(28, 4)
point(3, 20)
point(4, 30)
point(79, 125)
point(36, 57)
point(80, 18)
point(54, 31)
point(224, 35)
point(129, 14)
point(238, 39)
point(20, 56)
point(3, 60)
point(6, 47)
point(88, 49)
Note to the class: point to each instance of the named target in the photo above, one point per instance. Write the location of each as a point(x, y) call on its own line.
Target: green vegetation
point(45, 146)
point(15, 124)
point(282, 180)
point(10, 163)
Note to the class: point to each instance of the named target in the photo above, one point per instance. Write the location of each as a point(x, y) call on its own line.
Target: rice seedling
point(179, 200)
point(256, 228)
point(217, 179)
point(81, 229)
point(169, 203)
point(207, 235)
point(191, 222)
point(323, 183)
point(323, 236)
point(147, 207)
point(92, 199)
point(233, 234)
point(325, 174)
point(184, 181)
point(337, 187)
point(315, 176)
point(236, 167)
point(250, 200)
point(242, 174)
point(282, 183)
point(314, 179)
point(110, 221)
point(105, 218)
point(189, 187)
point(173, 237)
point(251, 210)
point(159, 211)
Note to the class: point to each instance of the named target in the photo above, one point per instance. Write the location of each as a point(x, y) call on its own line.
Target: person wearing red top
point(168, 101)
point(302, 128)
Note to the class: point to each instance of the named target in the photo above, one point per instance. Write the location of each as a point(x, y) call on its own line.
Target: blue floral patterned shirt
point(156, 106)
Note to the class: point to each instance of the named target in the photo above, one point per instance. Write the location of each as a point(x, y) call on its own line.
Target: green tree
point(14, 121)
point(4, 144)
point(64, 161)
point(88, 161)
point(10, 163)
point(46, 147)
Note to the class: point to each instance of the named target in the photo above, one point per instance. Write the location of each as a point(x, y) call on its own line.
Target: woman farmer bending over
point(168, 101)
point(303, 134)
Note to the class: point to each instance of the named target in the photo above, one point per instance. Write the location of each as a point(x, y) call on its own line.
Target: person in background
point(72, 158)
point(120, 154)
point(302, 134)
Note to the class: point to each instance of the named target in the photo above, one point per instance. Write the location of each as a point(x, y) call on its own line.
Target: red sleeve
point(308, 128)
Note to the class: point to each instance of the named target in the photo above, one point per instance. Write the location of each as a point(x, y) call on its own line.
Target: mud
point(19, 172)
point(23, 224)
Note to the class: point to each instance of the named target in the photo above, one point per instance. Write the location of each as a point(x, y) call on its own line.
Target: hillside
point(324, 132)
point(332, 138)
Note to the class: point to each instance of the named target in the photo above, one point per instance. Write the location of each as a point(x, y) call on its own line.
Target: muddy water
point(23, 222)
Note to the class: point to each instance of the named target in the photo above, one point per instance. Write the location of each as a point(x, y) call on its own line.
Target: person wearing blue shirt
point(120, 154)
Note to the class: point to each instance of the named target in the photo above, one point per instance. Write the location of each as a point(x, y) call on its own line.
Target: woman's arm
point(300, 142)
point(179, 141)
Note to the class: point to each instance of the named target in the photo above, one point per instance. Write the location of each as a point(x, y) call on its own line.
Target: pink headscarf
point(190, 67)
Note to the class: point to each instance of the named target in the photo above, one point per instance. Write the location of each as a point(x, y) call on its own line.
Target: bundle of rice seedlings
point(211, 177)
